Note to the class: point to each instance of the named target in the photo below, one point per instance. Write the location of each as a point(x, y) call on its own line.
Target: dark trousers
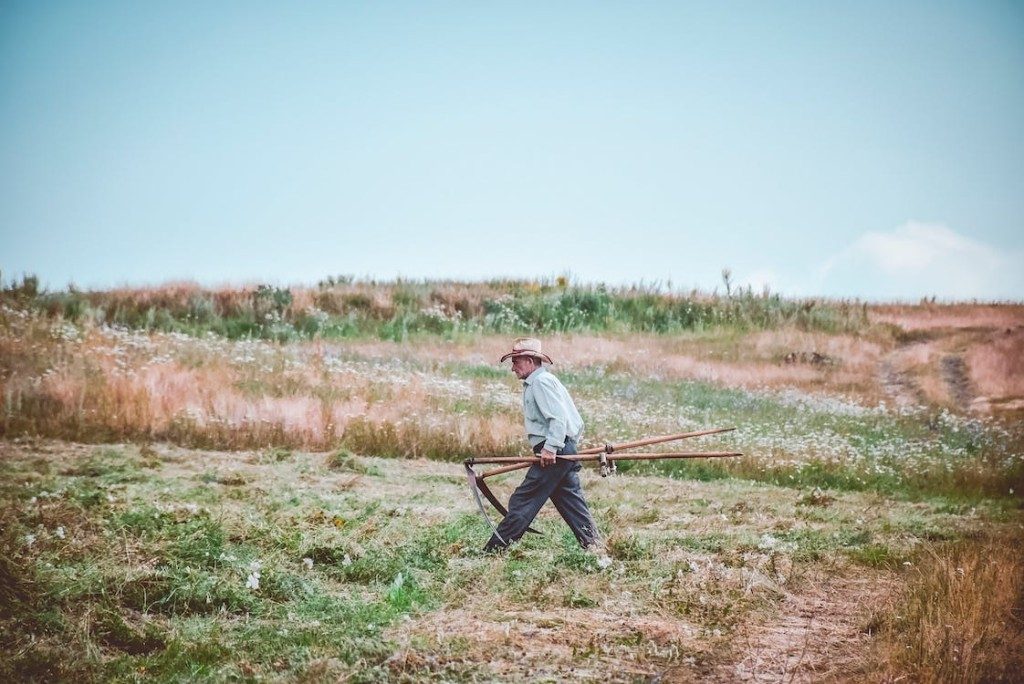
point(559, 482)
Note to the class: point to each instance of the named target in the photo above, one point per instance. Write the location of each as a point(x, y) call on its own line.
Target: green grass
point(149, 580)
point(402, 309)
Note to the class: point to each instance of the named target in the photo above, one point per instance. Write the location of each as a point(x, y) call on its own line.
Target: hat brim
point(536, 355)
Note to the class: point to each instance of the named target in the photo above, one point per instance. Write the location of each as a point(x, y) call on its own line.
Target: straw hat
point(526, 346)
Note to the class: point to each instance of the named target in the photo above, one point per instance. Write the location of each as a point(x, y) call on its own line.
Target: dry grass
point(91, 383)
point(444, 399)
point(923, 317)
point(108, 385)
point(960, 616)
point(997, 369)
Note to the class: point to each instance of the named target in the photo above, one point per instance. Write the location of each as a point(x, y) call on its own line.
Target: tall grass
point(960, 617)
point(99, 384)
point(397, 309)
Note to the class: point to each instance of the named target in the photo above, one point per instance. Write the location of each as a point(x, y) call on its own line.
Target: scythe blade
point(489, 495)
point(472, 480)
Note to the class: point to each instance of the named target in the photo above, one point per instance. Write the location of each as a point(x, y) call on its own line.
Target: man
point(553, 426)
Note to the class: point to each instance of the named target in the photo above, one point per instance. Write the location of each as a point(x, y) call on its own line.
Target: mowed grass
point(157, 562)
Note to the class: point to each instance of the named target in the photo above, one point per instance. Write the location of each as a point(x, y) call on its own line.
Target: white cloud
point(920, 260)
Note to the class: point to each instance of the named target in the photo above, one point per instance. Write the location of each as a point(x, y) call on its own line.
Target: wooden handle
point(530, 460)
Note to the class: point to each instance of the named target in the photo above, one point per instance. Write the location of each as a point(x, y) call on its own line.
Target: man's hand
point(547, 457)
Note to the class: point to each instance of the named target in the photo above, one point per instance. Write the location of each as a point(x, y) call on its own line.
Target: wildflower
point(603, 562)
point(308, 562)
point(30, 539)
point(59, 532)
point(253, 581)
point(347, 560)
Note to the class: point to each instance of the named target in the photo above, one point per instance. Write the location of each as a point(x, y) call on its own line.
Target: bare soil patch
point(818, 634)
point(576, 644)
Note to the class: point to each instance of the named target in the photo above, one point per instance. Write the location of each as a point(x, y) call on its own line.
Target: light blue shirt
point(549, 414)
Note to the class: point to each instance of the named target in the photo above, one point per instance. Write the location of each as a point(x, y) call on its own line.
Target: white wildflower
point(30, 539)
point(253, 581)
point(347, 560)
point(59, 532)
point(767, 542)
point(603, 562)
point(308, 562)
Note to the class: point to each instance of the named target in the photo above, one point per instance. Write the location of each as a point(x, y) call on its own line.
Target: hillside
point(181, 498)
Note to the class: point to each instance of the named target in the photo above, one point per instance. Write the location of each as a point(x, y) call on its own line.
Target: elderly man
point(553, 426)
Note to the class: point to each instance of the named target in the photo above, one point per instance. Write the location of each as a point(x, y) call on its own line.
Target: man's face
point(522, 366)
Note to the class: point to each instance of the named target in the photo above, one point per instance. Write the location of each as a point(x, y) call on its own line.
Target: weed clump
point(345, 460)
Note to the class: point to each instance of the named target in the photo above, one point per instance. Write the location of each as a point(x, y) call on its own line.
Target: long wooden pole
point(530, 460)
point(611, 448)
point(526, 462)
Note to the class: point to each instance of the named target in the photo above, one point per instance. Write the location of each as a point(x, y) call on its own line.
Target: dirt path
point(897, 384)
point(958, 384)
point(928, 372)
point(818, 634)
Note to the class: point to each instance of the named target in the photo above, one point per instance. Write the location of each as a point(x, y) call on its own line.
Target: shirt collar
point(533, 376)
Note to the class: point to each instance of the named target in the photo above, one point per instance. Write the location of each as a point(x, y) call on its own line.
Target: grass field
point(191, 506)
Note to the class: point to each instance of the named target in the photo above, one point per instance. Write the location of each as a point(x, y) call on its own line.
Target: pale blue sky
point(854, 149)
